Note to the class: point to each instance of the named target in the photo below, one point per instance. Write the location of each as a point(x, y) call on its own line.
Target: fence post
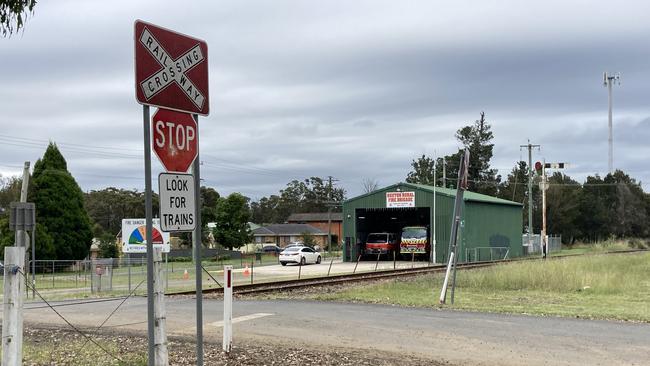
point(377, 262)
point(160, 337)
point(330, 268)
point(355, 266)
point(12, 319)
point(128, 265)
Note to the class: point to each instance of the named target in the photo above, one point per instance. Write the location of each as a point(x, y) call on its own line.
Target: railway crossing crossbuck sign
point(171, 69)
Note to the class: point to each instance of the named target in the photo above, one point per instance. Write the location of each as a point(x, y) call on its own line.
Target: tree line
point(597, 209)
point(68, 219)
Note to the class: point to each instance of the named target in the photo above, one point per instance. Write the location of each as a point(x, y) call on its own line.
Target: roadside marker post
point(227, 308)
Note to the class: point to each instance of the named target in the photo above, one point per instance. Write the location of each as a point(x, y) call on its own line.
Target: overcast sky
point(351, 89)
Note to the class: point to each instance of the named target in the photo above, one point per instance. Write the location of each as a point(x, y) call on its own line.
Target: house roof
point(287, 229)
point(467, 196)
point(314, 216)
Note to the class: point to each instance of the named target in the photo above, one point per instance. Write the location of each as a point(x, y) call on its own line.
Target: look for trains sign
point(171, 69)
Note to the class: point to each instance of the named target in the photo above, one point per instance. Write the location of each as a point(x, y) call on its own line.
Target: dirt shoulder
point(56, 346)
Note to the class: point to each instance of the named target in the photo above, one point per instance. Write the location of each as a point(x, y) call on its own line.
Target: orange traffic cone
point(247, 272)
point(186, 276)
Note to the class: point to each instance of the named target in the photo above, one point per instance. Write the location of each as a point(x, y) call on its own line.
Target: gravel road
point(394, 334)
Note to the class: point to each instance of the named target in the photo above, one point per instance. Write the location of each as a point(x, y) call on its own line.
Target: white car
point(301, 255)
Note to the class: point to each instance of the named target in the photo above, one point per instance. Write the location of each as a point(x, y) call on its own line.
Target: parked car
point(301, 255)
point(271, 249)
point(381, 243)
point(294, 244)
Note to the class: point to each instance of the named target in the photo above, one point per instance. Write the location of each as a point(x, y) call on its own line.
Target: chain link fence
point(535, 246)
point(119, 276)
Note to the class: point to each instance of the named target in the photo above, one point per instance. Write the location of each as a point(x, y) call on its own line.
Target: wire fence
point(118, 276)
point(535, 246)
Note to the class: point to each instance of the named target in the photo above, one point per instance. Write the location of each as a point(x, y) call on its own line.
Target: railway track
point(337, 279)
point(287, 285)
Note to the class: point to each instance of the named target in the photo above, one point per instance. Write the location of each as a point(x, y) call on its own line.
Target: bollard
point(394, 259)
point(299, 269)
point(252, 269)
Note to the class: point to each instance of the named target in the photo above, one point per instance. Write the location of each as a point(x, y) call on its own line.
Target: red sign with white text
point(400, 199)
point(175, 139)
point(171, 69)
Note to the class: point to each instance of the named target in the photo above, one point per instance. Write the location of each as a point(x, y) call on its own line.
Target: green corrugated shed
point(490, 226)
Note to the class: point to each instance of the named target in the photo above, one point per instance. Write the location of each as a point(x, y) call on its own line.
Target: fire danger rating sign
point(171, 69)
point(177, 203)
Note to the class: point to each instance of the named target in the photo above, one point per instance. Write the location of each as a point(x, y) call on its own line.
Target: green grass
point(603, 287)
point(612, 245)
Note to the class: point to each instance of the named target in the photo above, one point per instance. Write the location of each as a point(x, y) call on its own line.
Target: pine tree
point(59, 207)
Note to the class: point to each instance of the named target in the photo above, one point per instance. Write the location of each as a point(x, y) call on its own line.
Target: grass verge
point(599, 287)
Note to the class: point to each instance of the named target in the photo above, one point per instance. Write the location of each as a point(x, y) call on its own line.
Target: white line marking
point(241, 319)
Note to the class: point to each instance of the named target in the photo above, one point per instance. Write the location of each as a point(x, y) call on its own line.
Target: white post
point(432, 248)
point(12, 319)
point(443, 292)
point(227, 308)
point(160, 336)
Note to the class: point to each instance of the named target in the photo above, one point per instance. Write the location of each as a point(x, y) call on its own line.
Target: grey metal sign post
point(152, 44)
point(196, 236)
point(149, 223)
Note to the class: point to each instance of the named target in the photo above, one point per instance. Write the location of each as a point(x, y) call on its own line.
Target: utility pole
point(452, 252)
point(543, 241)
point(444, 172)
point(330, 180)
point(608, 80)
point(21, 237)
point(530, 148)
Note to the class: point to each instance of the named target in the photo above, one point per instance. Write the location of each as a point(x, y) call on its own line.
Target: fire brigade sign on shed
point(171, 69)
point(400, 199)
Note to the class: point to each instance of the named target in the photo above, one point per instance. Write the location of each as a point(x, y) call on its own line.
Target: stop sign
point(174, 139)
